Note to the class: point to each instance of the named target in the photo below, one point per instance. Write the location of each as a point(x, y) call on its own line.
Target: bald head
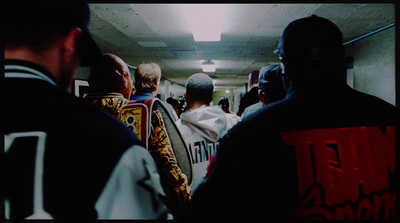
point(110, 74)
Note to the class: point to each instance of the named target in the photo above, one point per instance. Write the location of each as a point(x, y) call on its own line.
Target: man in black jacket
point(325, 152)
point(64, 158)
point(250, 97)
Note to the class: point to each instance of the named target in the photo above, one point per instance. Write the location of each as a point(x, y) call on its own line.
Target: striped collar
point(26, 70)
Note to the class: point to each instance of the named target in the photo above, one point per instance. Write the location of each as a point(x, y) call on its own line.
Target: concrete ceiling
point(250, 32)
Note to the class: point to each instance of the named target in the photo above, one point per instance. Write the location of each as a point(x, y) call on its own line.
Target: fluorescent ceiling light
point(209, 67)
point(204, 20)
point(204, 35)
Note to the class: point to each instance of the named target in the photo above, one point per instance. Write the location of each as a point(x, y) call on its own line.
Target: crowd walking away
point(303, 146)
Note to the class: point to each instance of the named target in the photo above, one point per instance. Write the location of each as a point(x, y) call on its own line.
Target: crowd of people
point(303, 145)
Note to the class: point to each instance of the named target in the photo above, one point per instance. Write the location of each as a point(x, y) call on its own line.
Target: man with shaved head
point(202, 125)
point(110, 84)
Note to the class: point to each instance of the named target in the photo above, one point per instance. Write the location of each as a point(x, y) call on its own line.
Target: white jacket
point(201, 129)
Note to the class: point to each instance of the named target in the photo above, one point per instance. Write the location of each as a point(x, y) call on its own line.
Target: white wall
point(168, 89)
point(374, 65)
point(237, 93)
point(83, 73)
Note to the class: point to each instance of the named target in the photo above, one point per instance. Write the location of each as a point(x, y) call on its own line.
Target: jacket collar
point(27, 70)
point(326, 85)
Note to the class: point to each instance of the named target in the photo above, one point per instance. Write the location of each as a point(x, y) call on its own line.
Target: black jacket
point(324, 152)
point(82, 147)
point(248, 99)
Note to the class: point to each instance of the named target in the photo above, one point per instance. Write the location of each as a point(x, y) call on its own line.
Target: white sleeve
point(133, 190)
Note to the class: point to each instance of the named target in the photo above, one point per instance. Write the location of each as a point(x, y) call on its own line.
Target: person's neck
point(141, 92)
point(195, 105)
point(48, 60)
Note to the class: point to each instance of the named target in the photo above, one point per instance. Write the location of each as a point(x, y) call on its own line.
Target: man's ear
point(117, 75)
point(155, 91)
point(262, 97)
point(70, 42)
point(186, 97)
point(286, 69)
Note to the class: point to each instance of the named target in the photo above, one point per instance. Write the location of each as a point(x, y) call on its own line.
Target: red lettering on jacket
point(349, 164)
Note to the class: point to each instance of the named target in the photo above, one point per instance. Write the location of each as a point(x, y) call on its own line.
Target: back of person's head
point(223, 102)
point(173, 102)
point(200, 87)
point(147, 77)
point(253, 78)
point(270, 82)
point(37, 25)
point(311, 45)
point(110, 74)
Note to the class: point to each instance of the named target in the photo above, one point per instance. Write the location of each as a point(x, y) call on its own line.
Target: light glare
point(204, 20)
point(208, 67)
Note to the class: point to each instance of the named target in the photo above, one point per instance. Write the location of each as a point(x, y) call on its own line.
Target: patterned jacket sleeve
point(173, 180)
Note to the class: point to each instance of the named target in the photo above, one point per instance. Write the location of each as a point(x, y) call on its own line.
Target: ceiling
point(250, 32)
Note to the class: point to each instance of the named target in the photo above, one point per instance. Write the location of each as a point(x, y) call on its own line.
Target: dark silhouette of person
point(324, 152)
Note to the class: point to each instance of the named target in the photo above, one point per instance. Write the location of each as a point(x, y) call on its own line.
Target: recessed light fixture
point(208, 67)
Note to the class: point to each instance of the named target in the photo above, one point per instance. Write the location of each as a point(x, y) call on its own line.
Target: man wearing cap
point(64, 158)
point(324, 152)
point(271, 88)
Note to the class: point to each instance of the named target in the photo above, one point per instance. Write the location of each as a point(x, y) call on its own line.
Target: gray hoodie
point(201, 128)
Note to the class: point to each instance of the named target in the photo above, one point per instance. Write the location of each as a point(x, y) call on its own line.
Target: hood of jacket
point(209, 122)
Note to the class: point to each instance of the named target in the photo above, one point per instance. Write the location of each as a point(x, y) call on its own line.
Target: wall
point(238, 93)
point(374, 65)
point(83, 73)
point(168, 89)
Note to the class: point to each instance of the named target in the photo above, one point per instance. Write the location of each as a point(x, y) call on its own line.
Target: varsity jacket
point(110, 102)
point(201, 128)
point(67, 160)
point(324, 152)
